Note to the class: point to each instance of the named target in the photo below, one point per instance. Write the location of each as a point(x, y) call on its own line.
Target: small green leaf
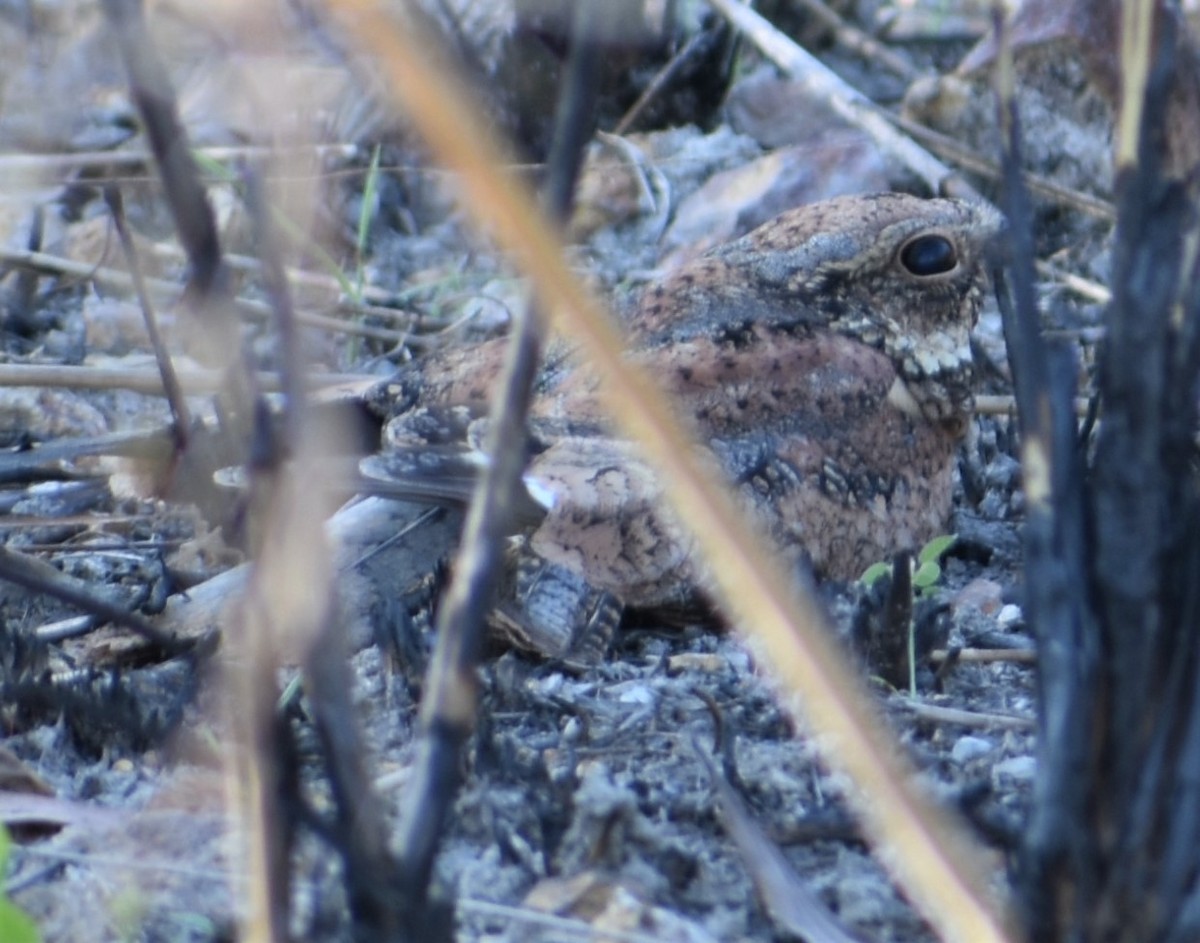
point(933, 550)
point(873, 573)
point(213, 167)
point(15, 925)
point(366, 213)
point(928, 573)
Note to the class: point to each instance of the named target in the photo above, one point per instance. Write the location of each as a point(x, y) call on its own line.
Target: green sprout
point(928, 569)
point(15, 924)
point(927, 572)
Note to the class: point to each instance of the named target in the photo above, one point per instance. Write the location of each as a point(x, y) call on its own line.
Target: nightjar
point(824, 361)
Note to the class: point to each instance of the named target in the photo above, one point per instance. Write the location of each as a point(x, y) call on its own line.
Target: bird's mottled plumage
point(825, 361)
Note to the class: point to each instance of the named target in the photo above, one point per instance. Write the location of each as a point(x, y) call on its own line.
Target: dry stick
point(275, 281)
point(1054, 537)
point(794, 908)
point(860, 111)
point(256, 771)
point(966, 158)
point(170, 380)
point(858, 42)
point(566, 928)
point(208, 295)
point(260, 770)
point(660, 81)
point(1020, 656)
point(14, 166)
point(153, 444)
point(1003, 405)
point(153, 94)
point(255, 775)
point(1084, 287)
point(20, 304)
point(379, 298)
point(144, 380)
point(1144, 813)
point(951, 715)
point(360, 821)
point(450, 702)
point(290, 597)
point(940, 870)
point(845, 100)
point(449, 705)
point(40, 577)
point(116, 279)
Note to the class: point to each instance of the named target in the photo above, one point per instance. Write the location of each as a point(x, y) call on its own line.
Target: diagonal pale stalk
point(941, 871)
point(1137, 19)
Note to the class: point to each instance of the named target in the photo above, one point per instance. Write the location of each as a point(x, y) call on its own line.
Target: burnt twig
point(155, 99)
point(449, 706)
point(1111, 557)
point(39, 577)
point(1054, 546)
point(170, 380)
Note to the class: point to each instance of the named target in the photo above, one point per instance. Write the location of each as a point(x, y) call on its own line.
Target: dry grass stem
point(937, 867)
point(1004, 405)
point(858, 42)
point(967, 159)
point(969, 719)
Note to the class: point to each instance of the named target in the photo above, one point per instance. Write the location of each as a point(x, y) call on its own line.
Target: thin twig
point(973, 719)
point(40, 577)
point(166, 368)
point(450, 701)
point(143, 380)
point(977, 164)
point(361, 826)
point(567, 927)
point(15, 166)
point(136, 862)
point(661, 80)
point(291, 358)
point(1084, 287)
point(1003, 405)
point(852, 38)
point(154, 444)
point(209, 291)
point(794, 908)
point(121, 281)
point(845, 100)
point(1020, 656)
point(376, 301)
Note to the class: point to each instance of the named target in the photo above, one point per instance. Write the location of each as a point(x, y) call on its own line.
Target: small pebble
point(966, 749)
point(706, 662)
point(634, 693)
point(980, 594)
point(573, 730)
point(1022, 768)
point(1009, 616)
point(550, 685)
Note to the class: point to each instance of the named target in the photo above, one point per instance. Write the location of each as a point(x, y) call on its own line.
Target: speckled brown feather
point(830, 382)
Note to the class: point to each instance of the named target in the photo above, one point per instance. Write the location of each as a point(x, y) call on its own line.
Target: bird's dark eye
point(929, 255)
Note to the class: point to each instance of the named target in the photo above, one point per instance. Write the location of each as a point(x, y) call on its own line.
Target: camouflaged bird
point(824, 360)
